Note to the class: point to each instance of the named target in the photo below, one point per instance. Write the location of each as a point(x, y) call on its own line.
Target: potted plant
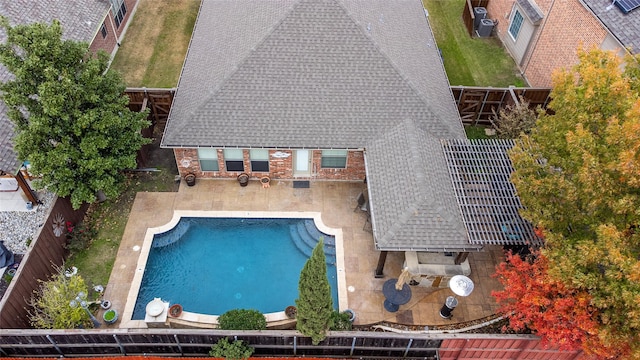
point(190, 179)
point(175, 310)
point(110, 316)
point(291, 312)
point(243, 179)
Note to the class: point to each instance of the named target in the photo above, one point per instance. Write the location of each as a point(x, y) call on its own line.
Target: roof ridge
point(393, 65)
point(415, 136)
point(238, 67)
point(278, 24)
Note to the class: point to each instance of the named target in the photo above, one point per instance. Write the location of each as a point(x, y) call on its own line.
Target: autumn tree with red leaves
point(578, 176)
point(559, 315)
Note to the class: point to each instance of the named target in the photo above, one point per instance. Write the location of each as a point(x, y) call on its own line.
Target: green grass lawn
point(109, 220)
point(469, 61)
point(156, 43)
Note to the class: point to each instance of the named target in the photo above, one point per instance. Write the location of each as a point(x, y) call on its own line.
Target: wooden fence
point(159, 102)
point(46, 251)
point(476, 105)
point(355, 344)
point(468, 16)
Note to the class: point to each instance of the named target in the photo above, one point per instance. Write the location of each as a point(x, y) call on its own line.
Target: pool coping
point(200, 320)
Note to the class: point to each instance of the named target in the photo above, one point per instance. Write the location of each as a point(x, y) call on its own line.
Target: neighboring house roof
point(413, 205)
point(80, 20)
point(625, 27)
point(309, 74)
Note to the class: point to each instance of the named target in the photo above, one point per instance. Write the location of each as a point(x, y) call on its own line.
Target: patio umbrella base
point(391, 307)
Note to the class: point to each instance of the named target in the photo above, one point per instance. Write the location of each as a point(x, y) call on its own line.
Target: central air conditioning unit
point(479, 13)
point(485, 28)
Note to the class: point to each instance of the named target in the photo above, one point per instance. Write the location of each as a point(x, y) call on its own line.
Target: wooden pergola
point(480, 172)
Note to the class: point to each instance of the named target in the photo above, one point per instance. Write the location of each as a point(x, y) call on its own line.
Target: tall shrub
point(314, 303)
point(50, 305)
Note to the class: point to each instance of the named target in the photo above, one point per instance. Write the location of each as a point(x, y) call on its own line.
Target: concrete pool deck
point(336, 202)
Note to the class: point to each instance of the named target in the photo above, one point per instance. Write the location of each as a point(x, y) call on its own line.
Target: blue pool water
point(212, 265)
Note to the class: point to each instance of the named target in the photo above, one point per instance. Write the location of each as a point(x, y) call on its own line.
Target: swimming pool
point(211, 264)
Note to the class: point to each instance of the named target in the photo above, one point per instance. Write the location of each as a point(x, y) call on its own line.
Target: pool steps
point(172, 235)
point(305, 236)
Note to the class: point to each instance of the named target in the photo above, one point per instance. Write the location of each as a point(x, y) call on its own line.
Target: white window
point(208, 159)
point(234, 159)
point(119, 9)
point(336, 159)
point(259, 160)
point(516, 24)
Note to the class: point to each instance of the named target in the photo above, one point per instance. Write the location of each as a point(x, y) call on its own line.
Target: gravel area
point(16, 227)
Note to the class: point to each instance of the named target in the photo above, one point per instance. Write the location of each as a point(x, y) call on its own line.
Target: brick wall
point(114, 32)
point(567, 26)
point(280, 167)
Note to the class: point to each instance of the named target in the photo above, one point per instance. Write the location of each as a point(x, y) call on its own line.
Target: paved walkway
point(336, 202)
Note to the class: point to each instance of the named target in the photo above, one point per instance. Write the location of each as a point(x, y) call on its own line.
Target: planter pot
point(175, 310)
point(291, 312)
point(352, 314)
point(105, 304)
point(190, 179)
point(243, 179)
point(110, 316)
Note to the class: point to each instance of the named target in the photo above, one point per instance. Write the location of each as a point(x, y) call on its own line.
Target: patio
point(336, 202)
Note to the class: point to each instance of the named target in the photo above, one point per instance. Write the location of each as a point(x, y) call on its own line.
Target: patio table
point(394, 298)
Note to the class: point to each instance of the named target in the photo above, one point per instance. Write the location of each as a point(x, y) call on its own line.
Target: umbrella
point(461, 285)
point(402, 279)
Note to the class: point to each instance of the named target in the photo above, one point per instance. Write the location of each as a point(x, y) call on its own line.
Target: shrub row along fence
point(477, 105)
point(360, 344)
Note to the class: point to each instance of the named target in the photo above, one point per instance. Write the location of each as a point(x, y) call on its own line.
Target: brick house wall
point(566, 25)
point(109, 43)
point(279, 167)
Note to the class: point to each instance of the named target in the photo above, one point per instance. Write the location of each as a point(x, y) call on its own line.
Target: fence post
point(175, 336)
point(120, 345)
point(295, 345)
point(406, 351)
point(353, 346)
point(55, 345)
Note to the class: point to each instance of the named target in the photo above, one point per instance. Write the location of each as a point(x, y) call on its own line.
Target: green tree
point(242, 319)
point(72, 120)
point(315, 304)
point(51, 304)
point(578, 176)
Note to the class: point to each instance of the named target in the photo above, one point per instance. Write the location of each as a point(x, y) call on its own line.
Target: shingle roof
point(531, 11)
point(413, 205)
point(625, 27)
point(80, 20)
point(309, 74)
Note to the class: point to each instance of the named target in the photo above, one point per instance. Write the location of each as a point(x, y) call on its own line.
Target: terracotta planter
point(291, 312)
point(175, 310)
